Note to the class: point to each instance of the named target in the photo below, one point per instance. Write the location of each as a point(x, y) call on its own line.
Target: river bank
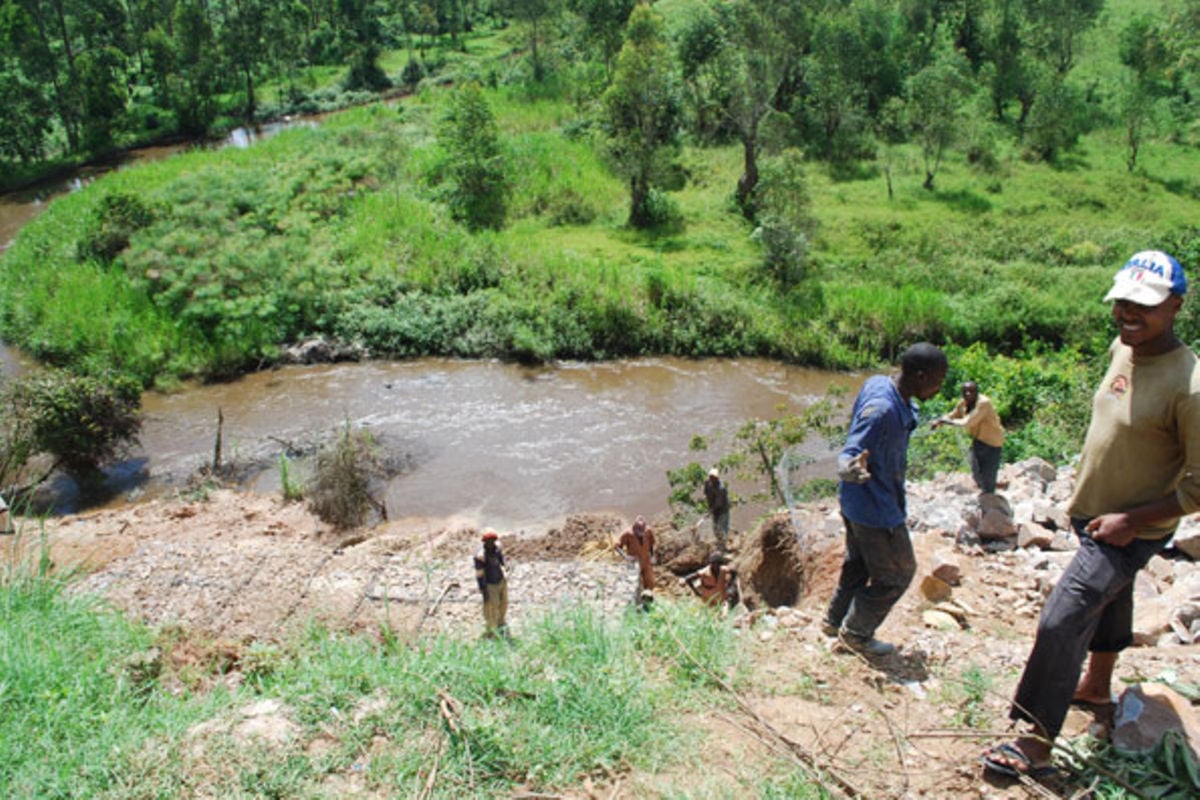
point(237, 571)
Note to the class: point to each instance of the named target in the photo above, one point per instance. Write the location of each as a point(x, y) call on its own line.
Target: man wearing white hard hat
point(1138, 474)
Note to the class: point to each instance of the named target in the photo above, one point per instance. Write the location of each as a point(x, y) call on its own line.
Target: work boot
point(829, 629)
point(867, 647)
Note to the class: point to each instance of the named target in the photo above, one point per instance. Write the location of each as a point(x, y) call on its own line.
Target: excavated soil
point(237, 567)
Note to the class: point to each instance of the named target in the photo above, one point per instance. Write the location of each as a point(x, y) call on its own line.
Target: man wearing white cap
point(1139, 473)
point(716, 494)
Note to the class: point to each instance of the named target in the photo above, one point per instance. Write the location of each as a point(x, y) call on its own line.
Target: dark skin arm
point(1120, 528)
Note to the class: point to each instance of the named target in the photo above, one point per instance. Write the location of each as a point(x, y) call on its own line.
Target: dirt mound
point(772, 566)
point(580, 535)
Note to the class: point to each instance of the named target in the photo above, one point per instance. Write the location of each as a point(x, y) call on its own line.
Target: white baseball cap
point(1148, 278)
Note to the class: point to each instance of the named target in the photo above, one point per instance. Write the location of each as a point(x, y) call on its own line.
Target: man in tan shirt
point(1138, 474)
point(976, 413)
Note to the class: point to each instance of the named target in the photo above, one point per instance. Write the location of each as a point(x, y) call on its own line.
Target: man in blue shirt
point(879, 562)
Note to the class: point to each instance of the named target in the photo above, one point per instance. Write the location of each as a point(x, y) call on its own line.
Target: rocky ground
point(238, 567)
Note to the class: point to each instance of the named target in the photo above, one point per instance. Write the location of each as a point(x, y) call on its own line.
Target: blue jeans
point(1091, 608)
point(878, 567)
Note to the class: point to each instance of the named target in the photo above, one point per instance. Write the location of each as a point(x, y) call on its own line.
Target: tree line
point(75, 74)
point(840, 79)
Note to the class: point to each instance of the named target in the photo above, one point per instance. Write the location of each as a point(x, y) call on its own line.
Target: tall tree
point(934, 106)
point(642, 111)
point(360, 29)
point(102, 79)
point(536, 18)
point(1056, 27)
point(766, 38)
point(603, 26)
point(243, 44)
point(194, 81)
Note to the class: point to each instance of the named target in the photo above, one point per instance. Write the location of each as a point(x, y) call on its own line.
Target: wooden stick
point(429, 612)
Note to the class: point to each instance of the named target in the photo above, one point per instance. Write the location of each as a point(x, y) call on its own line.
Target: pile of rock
point(1028, 519)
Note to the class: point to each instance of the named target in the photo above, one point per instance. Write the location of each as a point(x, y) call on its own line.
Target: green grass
point(90, 709)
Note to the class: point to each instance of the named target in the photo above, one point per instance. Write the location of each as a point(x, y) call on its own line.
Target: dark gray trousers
point(1091, 608)
point(878, 567)
point(985, 464)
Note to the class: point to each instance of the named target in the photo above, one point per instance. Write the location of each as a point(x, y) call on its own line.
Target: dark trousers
point(878, 567)
point(985, 463)
point(1091, 608)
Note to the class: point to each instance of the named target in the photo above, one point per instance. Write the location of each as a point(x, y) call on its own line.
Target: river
point(493, 443)
point(489, 442)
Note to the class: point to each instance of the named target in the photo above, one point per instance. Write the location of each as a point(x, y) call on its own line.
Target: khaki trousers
point(495, 605)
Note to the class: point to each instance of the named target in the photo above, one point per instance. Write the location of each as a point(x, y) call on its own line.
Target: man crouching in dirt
point(879, 562)
point(637, 545)
point(493, 585)
point(718, 583)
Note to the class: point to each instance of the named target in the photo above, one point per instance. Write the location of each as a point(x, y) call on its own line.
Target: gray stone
point(1038, 468)
point(1147, 712)
point(1051, 515)
point(1064, 542)
point(946, 568)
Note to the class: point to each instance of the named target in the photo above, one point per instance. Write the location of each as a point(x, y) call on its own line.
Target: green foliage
point(642, 114)
point(1057, 120)
point(754, 451)
point(1043, 398)
point(976, 687)
point(83, 422)
point(339, 491)
point(115, 219)
point(1168, 772)
point(292, 489)
point(785, 218)
point(62, 661)
point(478, 191)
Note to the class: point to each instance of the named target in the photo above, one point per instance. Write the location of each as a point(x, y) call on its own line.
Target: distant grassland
point(339, 231)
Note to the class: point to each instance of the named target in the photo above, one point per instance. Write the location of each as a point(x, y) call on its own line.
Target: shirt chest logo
point(1119, 386)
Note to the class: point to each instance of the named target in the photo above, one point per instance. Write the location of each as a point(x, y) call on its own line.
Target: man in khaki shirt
point(976, 413)
point(1138, 474)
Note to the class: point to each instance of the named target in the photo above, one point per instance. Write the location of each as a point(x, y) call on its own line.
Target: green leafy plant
point(82, 422)
point(753, 451)
point(292, 489)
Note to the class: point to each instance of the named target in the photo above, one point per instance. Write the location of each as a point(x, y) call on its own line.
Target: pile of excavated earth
point(238, 567)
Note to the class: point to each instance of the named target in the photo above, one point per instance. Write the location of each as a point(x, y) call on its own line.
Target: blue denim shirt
point(880, 423)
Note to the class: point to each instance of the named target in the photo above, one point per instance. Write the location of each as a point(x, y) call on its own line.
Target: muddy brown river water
point(493, 443)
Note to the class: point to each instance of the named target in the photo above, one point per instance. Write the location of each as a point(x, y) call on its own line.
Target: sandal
point(1007, 759)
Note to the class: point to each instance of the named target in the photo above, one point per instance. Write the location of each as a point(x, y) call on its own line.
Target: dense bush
point(82, 422)
point(1043, 398)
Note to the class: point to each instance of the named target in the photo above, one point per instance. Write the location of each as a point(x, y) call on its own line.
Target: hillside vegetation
point(535, 209)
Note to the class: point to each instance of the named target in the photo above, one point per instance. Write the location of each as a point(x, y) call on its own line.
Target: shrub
point(83, 422)
point(478, 195)
point(115, 219)
point(786, 223)
point(339, 490)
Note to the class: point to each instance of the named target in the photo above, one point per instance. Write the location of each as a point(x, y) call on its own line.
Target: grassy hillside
point(339, 230)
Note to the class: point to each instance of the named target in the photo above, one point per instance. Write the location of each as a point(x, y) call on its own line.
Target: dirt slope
point(241, 566)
